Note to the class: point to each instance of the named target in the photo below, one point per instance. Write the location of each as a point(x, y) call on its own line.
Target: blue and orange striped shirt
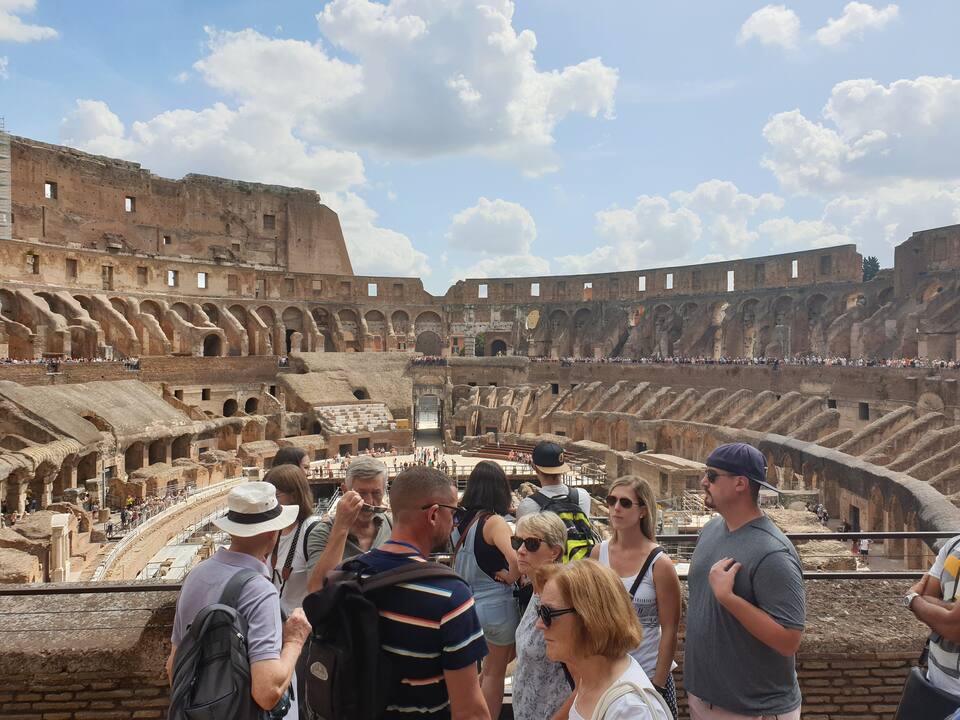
point(426, 627)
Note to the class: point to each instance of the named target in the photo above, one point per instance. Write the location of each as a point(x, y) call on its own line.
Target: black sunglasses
point(712, 475)
point(625, 503)
point(459, 513)
point(547, 613)
point(532, 544)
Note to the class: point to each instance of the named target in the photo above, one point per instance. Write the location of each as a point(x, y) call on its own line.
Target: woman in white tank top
point(633, 550)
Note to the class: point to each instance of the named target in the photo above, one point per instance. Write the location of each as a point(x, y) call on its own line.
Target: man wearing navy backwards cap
point(746, 610)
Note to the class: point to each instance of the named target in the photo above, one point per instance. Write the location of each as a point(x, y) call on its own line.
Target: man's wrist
point(909, 599)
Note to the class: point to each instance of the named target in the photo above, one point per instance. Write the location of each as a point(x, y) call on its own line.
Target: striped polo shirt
point(425, 627)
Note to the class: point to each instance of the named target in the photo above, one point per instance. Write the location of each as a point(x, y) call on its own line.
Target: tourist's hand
point(722, 575)
point(297, 628)
point(348, 509)
point(502, 576)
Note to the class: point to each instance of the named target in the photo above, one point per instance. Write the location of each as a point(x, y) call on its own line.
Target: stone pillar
point(469, 346)
point(59, 564)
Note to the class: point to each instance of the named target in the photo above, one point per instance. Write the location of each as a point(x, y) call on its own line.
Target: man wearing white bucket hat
point(254, 520)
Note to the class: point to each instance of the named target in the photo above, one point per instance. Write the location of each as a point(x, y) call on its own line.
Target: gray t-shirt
point(723, 663)
point(528, 505)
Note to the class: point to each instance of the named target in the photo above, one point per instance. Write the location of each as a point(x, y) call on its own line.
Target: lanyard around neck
point(415, 549)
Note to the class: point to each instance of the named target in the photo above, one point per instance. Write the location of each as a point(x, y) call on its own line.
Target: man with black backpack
point(573, 505)
point(232, 657)
point(396, 636)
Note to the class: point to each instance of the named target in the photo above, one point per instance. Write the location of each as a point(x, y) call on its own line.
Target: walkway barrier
point(137, 532)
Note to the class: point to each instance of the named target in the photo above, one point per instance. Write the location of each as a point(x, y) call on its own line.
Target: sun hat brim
point(286, 518)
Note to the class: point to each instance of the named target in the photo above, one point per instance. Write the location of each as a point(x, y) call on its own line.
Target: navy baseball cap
point(548, 458)
point(741, 459)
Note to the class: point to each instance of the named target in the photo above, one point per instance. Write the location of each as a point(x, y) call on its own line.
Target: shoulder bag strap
point(655, 703)
point(406, 573)
point(231, 592)
point(653, 555)
point(463, 533)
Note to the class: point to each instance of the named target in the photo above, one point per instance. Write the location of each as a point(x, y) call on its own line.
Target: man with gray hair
point(360, 523)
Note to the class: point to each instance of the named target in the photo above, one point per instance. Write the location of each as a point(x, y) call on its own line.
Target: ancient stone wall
point(66, 196)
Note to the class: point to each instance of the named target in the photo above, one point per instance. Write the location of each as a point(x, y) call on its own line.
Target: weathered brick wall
point(84, 696)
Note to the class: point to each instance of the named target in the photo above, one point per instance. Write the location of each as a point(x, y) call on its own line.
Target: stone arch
point(361, 394)
point(428, 321)
point(239, 312)
point(182, 309)
point(180, 447)
point(876, 517)
point(230, 407)
point(158, 451)
point(250, 405)
point(267, 314)
point(121, 306)
point(789, 476)
point(429, 343)
point(401, 322)
point(498, 347)
point(322, 319)
point(212, 345)
point(582, 320)
point(688, 310)
point(252, 432)
point(292, 319)
point(133, 457)
point(149, 307)
point(782, 310)
point(212, 312)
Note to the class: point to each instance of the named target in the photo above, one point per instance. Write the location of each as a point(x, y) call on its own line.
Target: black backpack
point(348, 675)
point(581, 535)
point(211, 671)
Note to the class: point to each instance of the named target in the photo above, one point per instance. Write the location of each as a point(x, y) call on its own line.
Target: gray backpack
point(211, 671)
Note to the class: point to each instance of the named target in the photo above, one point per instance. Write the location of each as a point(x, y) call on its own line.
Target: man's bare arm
point(463, 689)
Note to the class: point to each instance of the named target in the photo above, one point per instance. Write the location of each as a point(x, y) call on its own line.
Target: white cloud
point(775, 25)
point(442, 78)
point(857, 17)
point(4, 65)
point(879, 134)
point(506, 266)
point(375, 250)
point(785, 232)
point(246, 144)
point(12, 27)
point(715, 217)
point(294, 75)
point(493, 227)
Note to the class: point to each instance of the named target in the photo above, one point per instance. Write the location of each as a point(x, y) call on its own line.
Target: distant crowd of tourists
point(801, 360)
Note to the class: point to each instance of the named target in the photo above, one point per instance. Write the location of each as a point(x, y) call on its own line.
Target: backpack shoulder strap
point(573, 496)
point(231, 593)
point(651, 557)
point(306, 535)
point(406, 573)
point(540, 499)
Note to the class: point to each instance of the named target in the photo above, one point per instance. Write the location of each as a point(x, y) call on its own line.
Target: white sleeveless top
point(645, 604)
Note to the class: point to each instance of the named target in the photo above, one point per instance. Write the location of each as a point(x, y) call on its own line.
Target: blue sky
point(464, 139)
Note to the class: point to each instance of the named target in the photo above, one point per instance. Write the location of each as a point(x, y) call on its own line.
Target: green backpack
point(581, 535)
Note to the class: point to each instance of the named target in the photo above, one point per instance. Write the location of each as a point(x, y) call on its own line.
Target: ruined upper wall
point(65, 196)
point(926, 252)
point(812, 267)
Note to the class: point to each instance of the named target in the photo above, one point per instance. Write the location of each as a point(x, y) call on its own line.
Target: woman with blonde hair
point(649, 577)
point(589, 625)
point(540, 686)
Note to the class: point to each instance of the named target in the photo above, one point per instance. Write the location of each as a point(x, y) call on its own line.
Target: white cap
point(252, 509)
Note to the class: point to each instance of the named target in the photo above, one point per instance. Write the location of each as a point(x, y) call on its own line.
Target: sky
point(489, 138)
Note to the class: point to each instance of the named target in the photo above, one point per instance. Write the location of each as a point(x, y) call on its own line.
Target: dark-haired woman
point(485, 558)
point(288, 560)
point(292, 456)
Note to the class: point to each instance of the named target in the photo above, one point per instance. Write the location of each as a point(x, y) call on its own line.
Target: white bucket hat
point(252, 509)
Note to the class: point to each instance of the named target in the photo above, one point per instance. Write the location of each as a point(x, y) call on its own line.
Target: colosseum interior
point(169, 335)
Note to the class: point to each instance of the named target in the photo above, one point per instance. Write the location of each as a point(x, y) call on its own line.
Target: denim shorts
point(499, 617)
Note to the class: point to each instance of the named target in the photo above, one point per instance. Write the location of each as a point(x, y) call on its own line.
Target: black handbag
point(922, 701)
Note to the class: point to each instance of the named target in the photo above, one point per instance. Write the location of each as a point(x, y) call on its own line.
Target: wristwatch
point(908, 598)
